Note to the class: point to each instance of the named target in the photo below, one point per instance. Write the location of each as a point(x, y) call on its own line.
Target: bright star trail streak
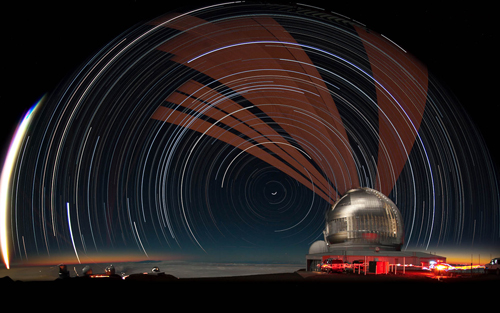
point(230, 130)
point(71, 232)
point(6, 178)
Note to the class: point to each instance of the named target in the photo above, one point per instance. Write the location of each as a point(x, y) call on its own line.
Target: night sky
point(213, 140)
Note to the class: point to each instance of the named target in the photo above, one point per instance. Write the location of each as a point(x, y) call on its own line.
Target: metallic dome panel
point(364, 218)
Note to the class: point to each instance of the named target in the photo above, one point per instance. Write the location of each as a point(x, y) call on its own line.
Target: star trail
point(232, 128)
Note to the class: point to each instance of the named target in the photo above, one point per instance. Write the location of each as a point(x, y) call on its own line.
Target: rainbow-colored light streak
point(5, 179)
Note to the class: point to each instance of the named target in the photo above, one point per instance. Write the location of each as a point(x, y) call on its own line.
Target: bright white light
point(5, 180)
point(71, 232)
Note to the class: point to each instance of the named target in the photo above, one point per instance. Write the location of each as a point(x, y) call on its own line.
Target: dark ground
point(299, 281)
point(298, 291)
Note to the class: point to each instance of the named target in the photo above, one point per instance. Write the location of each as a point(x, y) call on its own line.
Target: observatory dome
point(318, 247)
point(364, 218)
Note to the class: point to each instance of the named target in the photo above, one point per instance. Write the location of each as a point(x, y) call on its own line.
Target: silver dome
point(364, 218)
point(318, 247)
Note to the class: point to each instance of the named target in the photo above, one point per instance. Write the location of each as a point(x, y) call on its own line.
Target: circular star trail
point(234, 127)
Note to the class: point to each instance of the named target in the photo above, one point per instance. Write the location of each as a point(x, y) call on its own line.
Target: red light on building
point(379, 267)
point(370, 236)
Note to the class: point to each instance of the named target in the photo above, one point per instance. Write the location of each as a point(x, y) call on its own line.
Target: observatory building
point(364, 225)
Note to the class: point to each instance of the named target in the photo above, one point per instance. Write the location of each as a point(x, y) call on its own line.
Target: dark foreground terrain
point(296, 281)
point(287, 292)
